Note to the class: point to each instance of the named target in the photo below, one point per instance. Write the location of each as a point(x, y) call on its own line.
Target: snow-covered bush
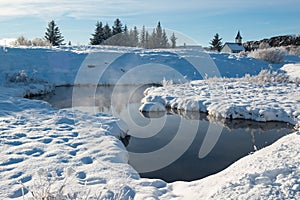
point(49, 185)
point(166, 83)
point(19, 77)
point(272, 55)
point(40, 42)
point(22, 77)
point(45, 184)
point(293, 50)
point(266, 76)
point(22, 41)
point(264, 45)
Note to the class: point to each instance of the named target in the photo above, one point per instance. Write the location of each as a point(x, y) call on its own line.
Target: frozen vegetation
point(69, 154)
point(269, 96)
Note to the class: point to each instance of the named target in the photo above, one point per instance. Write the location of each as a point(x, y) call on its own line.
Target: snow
point(82, 151)
point(234, 46)
point(258, 98)
point(292, 70)
point(6, 41)
point(108, 65)
point(271, 173)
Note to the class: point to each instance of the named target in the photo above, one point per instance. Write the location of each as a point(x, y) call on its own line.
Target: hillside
point(277, 41)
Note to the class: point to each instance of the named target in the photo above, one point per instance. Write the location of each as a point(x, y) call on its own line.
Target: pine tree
point(216, 43)
point(106, 32)
point(117, 31)
point(164, 42)
point(53, 35)
point(98, 36)
point(153, 40)
point(134, 37)
point(143, 38)
point(125, 40)
point(173, 40)
point(158, 39)
point(117, 28)
point(147, 40)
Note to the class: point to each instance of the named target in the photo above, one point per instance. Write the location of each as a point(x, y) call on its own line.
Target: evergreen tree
point(125, 37)
point(147, 40)
point(117, 28)
point(117, 31)
point(153, 40)
point(173, 40)
point(53, 35)
point(134, 37)
point(164, 41)
point(158, 39)
point(143, 38)
point(98, 36)
point(216, 43)
point(106, 32)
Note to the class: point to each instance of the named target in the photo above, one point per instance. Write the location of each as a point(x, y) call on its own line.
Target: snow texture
point(266, 97)
point(36, 139)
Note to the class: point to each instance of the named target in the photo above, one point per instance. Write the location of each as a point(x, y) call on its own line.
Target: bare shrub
point(266, 76)
point(40, 42)
point(23, 41)
point(272, 55)
point(294, 50)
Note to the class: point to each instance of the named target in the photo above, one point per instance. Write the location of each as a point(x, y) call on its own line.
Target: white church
point(230, 47)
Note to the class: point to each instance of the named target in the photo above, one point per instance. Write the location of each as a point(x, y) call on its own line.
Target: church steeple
point(238, 38)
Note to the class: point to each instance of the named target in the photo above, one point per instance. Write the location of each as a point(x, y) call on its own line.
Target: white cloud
point(95, 8)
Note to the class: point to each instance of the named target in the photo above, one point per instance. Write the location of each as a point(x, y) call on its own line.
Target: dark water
point(177, 146)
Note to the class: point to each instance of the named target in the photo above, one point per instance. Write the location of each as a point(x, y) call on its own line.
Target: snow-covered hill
point(108, 65)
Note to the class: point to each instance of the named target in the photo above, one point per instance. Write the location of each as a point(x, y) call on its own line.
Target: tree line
point(118, 35)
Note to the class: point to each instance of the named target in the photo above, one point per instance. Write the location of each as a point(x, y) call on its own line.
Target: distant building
point(238, 38)
point(230, 47)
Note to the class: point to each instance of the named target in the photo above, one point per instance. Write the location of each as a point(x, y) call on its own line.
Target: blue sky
point(198, 20)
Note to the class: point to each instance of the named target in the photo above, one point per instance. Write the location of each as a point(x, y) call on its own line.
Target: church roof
point(235, 46)
point(238, 36)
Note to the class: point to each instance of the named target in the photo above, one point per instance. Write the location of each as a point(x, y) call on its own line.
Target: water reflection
point(208, 151)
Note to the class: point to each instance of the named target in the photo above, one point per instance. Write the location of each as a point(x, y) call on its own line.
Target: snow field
point(36, 139)
point(245, 98)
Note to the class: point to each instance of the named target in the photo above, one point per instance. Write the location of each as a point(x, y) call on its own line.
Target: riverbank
point(42, 146)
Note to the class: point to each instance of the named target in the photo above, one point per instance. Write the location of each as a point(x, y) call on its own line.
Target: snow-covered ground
point(34, 136)
point(265, 97)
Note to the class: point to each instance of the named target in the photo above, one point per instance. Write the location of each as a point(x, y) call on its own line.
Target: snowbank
point(67, 65)
point(34, 135)
point(42, 147)
point(293, 70)
point(271, 173)
point(266, 97)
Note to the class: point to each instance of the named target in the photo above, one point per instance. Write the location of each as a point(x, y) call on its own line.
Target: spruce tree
point(173, 40)
point(134, 37)
point(153, 40)
point(107, 32)
point(125, 40)
point(147, 40)
point(117, 31)
point(143, 38)
point(158, 39)
point(216, 43)
point(53, 35)
point(117, 27)
point(164, 41)
point(98, 36)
